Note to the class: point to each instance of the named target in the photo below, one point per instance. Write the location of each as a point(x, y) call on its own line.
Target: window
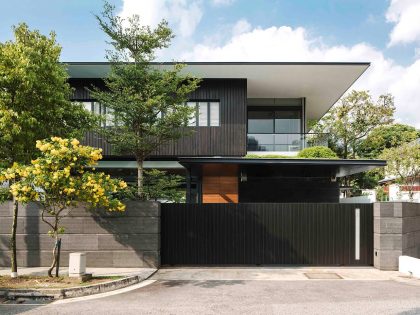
point(278, 120)
point(260, 122)
point(99, 109)
point(206, 114)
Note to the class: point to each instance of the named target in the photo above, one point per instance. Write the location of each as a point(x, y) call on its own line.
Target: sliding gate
point(267, 234)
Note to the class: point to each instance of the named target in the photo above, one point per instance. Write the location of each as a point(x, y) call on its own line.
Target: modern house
point(242, 108)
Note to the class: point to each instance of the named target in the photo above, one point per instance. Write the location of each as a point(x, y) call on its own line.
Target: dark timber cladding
point(267, 234)
point(228, 139)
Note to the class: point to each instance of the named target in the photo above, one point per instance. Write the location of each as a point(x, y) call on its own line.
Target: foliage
point(317, 152)
point(381, 194)
point(148, 101)
point(160, 185)
point(34, 102)
point(268, 156)
point(34, 96)
point(58, 180)
point(352, 119)
point(4, 194)
point(404, 163)
point(385, 137)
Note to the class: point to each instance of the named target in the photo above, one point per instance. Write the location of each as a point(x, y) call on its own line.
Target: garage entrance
point(324, 234)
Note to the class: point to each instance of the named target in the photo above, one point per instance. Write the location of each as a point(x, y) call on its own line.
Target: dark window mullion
point(197, 114)
point(208, 114)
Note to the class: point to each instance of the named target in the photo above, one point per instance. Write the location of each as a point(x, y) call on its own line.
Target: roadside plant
point(147, 101)
point(59, 179)
point(34, 103)
point(403, 162)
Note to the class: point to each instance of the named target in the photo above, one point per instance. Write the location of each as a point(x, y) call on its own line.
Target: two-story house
point(242, 108)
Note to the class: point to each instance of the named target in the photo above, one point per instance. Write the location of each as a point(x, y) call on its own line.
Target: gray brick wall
point(129, 239)
point(396, 232)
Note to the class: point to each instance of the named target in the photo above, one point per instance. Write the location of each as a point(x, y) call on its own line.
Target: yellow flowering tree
point(59, 179)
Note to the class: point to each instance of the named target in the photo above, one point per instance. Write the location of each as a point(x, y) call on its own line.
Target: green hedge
point(317, 153)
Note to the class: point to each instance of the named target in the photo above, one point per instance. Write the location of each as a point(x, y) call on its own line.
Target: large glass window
point(287, 121)
point(206, 114)
point(260, 121)
point(274, 128)
point(274, 120)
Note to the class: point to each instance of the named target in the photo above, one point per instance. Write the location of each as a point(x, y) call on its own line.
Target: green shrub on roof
point(317, 152)
point(267, 156)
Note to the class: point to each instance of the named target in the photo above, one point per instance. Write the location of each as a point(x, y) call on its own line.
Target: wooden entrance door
point(220, 183)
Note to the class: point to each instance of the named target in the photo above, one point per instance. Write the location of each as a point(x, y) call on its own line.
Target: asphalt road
point(246, 297)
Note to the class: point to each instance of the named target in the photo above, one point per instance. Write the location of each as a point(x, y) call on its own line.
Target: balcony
point(285, 142)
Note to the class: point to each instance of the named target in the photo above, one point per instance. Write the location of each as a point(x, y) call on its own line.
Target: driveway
point(250, 291)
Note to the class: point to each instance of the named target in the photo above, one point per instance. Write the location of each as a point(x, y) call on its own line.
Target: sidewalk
point(42, 271)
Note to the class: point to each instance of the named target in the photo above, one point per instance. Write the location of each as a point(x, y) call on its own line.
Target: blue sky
point(383, 32)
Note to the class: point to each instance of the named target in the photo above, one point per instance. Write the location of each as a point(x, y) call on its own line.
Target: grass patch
point(45, 282)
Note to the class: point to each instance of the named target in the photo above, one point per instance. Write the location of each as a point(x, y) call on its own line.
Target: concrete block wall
point(129, 239)
point(396, 233)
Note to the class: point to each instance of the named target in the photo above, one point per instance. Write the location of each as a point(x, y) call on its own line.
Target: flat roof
point(342, 167)
point(320, 83)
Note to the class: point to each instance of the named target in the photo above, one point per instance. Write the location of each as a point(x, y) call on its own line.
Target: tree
point(385, 137)
point(34, 102)
point(352, 119)
point(403, 162)
point(148, 104)
point(317, 152)
point(380, 138)
point(160, 185)
point(58, 180)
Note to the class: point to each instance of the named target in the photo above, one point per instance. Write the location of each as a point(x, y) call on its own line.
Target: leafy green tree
point(317, 152)
point(158, 185)
point(382, 137)
point(59, 179)
point(385, 137)
point(404, 163)
point(148, 102)
point(34, 102)
point(352, 119)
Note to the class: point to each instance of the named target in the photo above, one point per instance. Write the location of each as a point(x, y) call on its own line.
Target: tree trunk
point(13, 240)
point(140, 179)
point(345, 149)
point(54, 256)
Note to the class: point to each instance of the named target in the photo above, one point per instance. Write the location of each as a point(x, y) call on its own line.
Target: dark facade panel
point(265, 234)
point(228, 139)
point(287, 184)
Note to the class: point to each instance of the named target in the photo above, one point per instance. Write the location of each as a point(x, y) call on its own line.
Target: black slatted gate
point(267, 234)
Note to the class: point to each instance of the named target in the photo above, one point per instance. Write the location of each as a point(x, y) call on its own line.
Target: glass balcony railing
point(285, 142)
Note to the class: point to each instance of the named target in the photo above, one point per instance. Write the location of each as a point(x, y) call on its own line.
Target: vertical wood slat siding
point(220, 183)
point(269, 234)
point(228, 139)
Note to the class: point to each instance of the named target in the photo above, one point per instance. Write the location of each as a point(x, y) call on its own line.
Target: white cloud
point(182, 15)
point(405, 14)
point(294, 44)
point(222, 2)
point(242, 26)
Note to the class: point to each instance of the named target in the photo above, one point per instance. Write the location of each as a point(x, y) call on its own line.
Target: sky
point(383, 32)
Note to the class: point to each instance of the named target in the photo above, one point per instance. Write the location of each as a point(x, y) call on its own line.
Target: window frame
point(103, 111)
point(197, 111)
point(274, 109)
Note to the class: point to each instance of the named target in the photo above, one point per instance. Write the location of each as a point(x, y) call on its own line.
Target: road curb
point(54, 294)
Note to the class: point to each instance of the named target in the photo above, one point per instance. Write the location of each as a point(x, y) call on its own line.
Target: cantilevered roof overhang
point(339, 167)
point(320, 83)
